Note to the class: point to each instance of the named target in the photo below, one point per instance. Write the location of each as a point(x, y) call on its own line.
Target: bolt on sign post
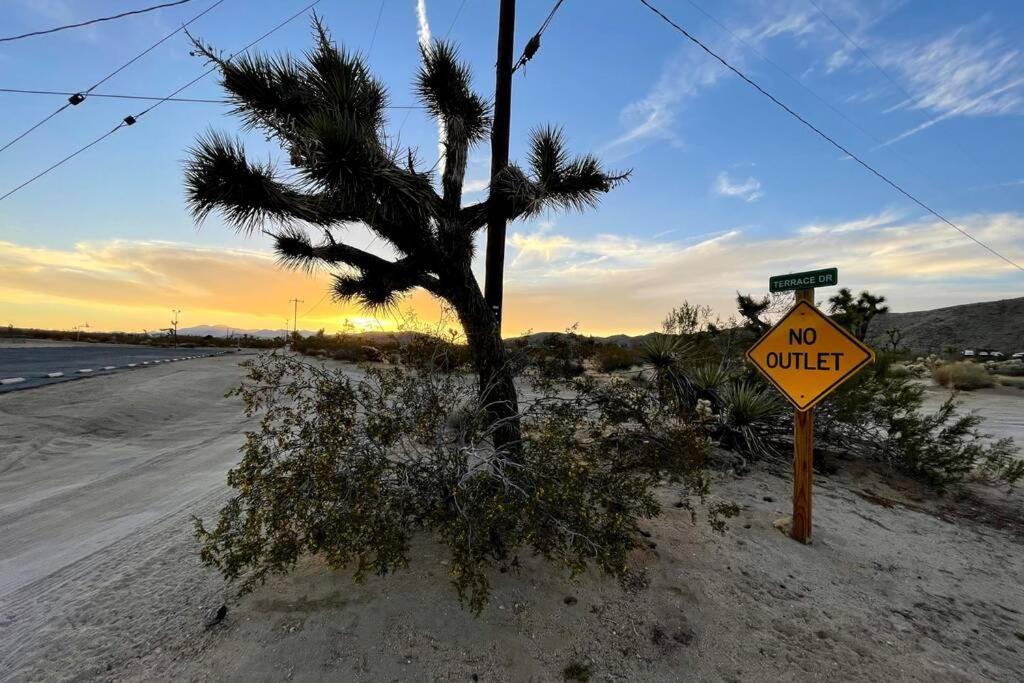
point(806, 355)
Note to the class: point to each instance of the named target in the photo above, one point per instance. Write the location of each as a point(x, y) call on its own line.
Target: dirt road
point(100, 579)
point(98, 480)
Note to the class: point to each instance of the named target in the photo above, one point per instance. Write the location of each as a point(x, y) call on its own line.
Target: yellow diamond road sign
point(807, 355)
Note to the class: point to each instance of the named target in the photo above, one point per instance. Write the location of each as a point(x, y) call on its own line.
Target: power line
point(64, 160)
point(79, 97)
point(317, 304)
point(825, 136)
point(216, 66)
point(533, 44)
point(199, 100)
point(380, 13)
point(94, 21)
point(131, 120)
point(454, 19)
point(863, 52)
point(906, 93)
point(790, 76)
point(36, 125)
point(18, 91)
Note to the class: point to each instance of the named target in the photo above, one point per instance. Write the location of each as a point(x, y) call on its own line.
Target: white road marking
point(109, 367)
point(12, 380)
point(85, 371)
point(52, 375)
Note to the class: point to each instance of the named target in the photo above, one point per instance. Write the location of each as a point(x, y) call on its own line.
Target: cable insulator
point(76, 99)
point(531, 48)
point(129, 120)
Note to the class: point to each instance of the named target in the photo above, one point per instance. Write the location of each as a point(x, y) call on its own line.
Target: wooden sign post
point(803, 458)
point(806, 355)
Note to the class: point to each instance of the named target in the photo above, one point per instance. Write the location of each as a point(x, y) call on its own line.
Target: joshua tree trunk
point(490, 359)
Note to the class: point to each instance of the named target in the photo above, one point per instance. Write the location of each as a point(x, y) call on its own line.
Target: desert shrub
point(882, 417)
point(1009, 368)
point(1008, 381)
point(964, 375)
point(562, 355)
point(899, 370)
point(349, 468)
point(612, 357)
point(428, 353)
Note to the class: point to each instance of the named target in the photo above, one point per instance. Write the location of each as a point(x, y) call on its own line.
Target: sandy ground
point(99, 577)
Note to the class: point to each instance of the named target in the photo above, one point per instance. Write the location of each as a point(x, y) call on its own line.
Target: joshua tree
point(856, 314)
point(895, 336)
point(327, 112)
point(752, 309)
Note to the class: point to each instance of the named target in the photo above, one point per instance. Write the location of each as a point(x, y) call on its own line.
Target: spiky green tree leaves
point(328, 113)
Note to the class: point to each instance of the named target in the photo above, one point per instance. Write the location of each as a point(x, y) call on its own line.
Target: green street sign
point(826, 277)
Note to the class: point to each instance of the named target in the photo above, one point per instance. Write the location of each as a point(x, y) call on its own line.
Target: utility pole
point(295, 316)
point(78, 329)
point(174, 325)
point(500, 131)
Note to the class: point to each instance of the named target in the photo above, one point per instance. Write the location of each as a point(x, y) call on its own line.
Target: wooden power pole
point(295, 315)
point(500, 131)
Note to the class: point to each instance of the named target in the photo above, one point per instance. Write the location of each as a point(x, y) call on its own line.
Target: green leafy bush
point(562, 355)
point(882, 417)
point(611, 357)
point(964, 375)
point(349, 468)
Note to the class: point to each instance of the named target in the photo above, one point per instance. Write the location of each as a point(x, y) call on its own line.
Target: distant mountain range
point(995, 325)
point(985, 325)
point(223, 331)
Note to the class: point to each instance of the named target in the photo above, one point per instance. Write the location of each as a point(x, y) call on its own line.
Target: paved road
point(32, 364)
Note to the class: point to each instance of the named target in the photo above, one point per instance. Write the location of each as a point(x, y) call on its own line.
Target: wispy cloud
point(654, 116)
point(917, 263)
point(963, 74)
point(748, 190)
point(608, 283)
point(425, 38)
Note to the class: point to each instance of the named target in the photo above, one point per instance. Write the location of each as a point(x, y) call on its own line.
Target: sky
point(726, 188)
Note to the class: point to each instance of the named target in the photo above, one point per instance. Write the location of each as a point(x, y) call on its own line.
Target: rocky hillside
point(989, 324)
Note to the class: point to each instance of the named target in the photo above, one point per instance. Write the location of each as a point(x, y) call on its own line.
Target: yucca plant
point(749, 415)
point(708, 379)
point(328, 113)
point(665, 353)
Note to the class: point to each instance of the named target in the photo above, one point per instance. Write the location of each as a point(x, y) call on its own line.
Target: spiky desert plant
point(665, 353)
point(748, 413)
point(327, 111)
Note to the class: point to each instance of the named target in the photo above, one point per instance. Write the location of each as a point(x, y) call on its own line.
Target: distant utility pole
point(495, 259)
point(174, 325)
point(78, 329)
point(295, 316)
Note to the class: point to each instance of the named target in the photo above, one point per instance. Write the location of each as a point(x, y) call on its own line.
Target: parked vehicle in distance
point(997, 354)
point(968, 353)
point(1019, 355)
